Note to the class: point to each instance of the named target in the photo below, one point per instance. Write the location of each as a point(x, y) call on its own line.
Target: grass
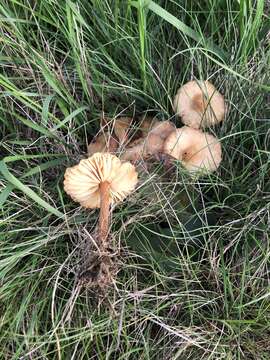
point(194, 282)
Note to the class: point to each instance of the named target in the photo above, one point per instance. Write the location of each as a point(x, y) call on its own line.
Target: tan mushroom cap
point(196, 150)
point(199, 104)
point(122, 127)
point(146, 124)
point(143, 148)
point(163, 129)
point(150, 144)
point(103, 142)
point(82, 181)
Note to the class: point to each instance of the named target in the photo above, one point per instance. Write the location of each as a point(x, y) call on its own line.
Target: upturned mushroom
point(199, 104)
point(196, 150)
point(98, 182)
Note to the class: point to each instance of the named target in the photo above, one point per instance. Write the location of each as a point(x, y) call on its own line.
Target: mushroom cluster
point(199, 105)
point(104, 179)
point(132, 140)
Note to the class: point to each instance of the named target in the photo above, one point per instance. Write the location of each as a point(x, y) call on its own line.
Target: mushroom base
point(98, 271)
point(98, 268)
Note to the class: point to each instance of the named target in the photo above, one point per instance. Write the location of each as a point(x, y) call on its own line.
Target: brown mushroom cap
point(199, 104)
point(196, 150)
point(82, 181)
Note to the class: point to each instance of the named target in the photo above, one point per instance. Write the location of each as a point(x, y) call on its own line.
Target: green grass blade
point(71, 116)
point(29, 192)
point(186, 30)
point(45, 110)
point(35, 170)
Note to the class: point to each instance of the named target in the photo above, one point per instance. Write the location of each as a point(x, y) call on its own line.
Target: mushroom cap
point(199, 104)
point(135, 152)
point(103, 142)
point(143, 148)
point(121, 128)
point(82, 180)
point(196, 150)
point(151, 143)
point(163, 129)
point(146, 124)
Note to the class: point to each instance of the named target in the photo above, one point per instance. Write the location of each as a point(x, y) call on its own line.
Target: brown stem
point(104, 188)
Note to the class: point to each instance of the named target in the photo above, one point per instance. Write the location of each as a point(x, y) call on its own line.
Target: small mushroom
point(98, 182)
point(143, 148)
point(146, 124)
point(163, 129)
point(122, 127)
point(199, 104)
point(103, 142)
point(151, 144)
point(197, 151)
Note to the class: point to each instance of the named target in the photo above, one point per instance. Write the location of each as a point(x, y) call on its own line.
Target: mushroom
point(146, 124)
point(98, 182)
point(103, 142)
point(163, 129)
point(199, 104)
point(151, 144)
point(143, 148)
point(196, 150)
point(121, 128)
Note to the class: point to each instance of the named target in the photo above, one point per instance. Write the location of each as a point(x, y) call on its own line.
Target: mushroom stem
point(104, 213)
